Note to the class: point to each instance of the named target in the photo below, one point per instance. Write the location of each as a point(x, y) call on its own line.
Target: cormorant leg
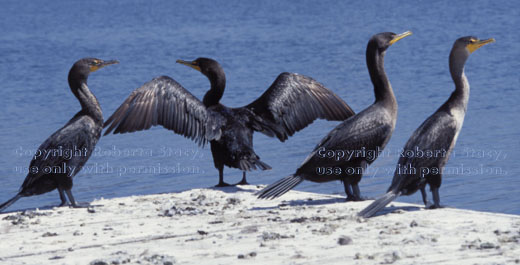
point(62, 197)
point(424, 196)
point(243, 181)
point(436, 199)
point(357, 193)
point(73, 202)
point(221, 182)
point(348, 191)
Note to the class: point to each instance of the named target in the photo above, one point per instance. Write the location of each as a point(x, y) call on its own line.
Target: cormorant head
point(214, 72)
point(461, 50)
point(83, 67)
point(385, 39)
point(469, 44)
point(206, 66)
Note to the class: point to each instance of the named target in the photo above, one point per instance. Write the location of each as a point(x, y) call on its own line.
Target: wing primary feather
point(162, 101)
point(293, 102)
point(118, 115)
point(151, 112)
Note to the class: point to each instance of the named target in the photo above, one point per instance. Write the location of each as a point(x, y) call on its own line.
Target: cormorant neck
point(218, 84)
point(375, 63)
point(459, 97)
point(89, 102)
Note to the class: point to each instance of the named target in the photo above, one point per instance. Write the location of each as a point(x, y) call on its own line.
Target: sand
point(230, 226)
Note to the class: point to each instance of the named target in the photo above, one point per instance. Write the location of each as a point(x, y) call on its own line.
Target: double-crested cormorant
point(429, 147)
point(62, 155)
point(354, 144)
point(291, 103)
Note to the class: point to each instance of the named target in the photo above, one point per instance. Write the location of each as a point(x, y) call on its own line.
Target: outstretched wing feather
point(163, 101)
point(293, 102)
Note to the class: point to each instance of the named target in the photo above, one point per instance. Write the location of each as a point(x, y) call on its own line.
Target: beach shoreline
point(230, 226)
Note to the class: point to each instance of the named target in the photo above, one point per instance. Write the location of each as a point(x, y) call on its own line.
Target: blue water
point(255, 41)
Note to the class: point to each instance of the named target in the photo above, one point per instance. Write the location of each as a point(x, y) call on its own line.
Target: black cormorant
point(291, 103)
point(428, 149)
point(354, 144)
point(64, 153)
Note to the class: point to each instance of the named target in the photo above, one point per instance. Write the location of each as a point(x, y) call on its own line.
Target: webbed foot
point(80, 205)
point(222, 184)
point(355, 199)
point(434, 206)
point(242, 182)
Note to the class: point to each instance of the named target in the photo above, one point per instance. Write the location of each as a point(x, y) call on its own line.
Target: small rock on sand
point(49, 234)
point(487, 245)
point(98, 262)
point(246, 256)
point(344, 240)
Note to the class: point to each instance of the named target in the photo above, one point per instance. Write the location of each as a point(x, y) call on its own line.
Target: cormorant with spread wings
point(291, 103)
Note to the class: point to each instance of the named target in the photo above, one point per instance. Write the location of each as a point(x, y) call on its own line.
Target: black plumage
point(428, 149)
point(364, 135)
point(291, 103)
point(64, 153)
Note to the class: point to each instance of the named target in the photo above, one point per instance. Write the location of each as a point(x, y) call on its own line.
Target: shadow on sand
point(392, 209)
point(83, 205)
point(234, 188)
point(305, 202)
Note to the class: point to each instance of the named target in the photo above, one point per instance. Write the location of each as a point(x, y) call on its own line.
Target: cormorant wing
point(361, 132)
point(64, 152)
point(163, 101)
point(294, 101)
point(436, 135)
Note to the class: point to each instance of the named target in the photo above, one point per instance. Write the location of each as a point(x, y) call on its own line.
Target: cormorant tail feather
point(280, 187)
point(9, 202)
point(379, 204)
point(248, 165)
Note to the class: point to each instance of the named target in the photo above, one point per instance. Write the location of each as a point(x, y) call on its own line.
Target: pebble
point(48, 234)
point(233, 201)
point(487, 245)
point(249, 255)
point(98, 262)
point(344, 240)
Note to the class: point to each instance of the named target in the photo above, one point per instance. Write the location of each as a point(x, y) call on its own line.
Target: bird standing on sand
point(291, 103)
point(354, 144)
point(430, 145)
point(64, 153)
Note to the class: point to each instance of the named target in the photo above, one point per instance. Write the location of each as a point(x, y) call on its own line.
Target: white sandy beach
point(230, 226)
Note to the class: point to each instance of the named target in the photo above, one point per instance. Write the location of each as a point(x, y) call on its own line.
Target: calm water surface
point(255, 41)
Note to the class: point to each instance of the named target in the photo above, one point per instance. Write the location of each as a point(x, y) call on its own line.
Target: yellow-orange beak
point(476, 44)
point(98, 64)
point(400, 36)
point(191, 64)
